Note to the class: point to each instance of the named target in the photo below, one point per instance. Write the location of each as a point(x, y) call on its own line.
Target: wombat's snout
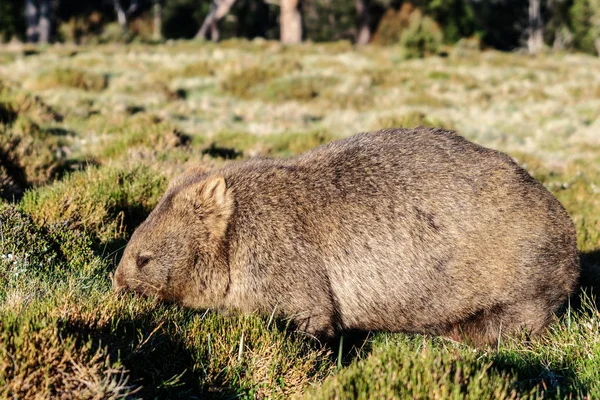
point(118, 284)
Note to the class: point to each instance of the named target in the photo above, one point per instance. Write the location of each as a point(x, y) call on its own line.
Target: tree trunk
point(157, 20)
point(31, 15)
point(45, 21)
point(364, 30)
point(535, 30)
point(290, 21)
point(218, 10)
point(121, 16)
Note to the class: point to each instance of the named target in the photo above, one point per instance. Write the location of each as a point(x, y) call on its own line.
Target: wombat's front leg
point(322, 326)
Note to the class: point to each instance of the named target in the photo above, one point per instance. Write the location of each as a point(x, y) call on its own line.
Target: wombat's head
point(178, 253)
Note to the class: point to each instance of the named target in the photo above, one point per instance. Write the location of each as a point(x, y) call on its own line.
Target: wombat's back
point(413, 230)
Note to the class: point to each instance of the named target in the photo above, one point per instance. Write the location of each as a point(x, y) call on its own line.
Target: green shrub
point(82, 29)
point(422, 36)
point(585, 22)
point(392, 24)
point(417, 33)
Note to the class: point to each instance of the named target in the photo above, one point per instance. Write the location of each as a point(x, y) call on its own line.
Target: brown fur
point(398, 230)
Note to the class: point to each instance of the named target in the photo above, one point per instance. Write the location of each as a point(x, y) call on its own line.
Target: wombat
point(413, 230)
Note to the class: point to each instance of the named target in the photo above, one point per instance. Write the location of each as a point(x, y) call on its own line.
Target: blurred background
point(421, 25)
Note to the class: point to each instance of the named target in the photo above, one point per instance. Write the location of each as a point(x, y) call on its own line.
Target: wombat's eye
point(142, 260)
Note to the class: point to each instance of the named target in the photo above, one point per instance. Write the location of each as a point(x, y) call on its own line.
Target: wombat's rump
point(400, 230)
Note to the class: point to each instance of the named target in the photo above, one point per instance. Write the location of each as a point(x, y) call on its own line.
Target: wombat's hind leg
point(488, 327)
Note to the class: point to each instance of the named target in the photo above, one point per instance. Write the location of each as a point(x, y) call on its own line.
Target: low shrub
point(392, 23)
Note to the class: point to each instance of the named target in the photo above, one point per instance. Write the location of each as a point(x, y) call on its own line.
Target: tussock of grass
point(241, 83)
point(68, 77)
point(107, 203)
point(247, 82)
point(29, 156)
point(142, 131)
point(36, 361)
point(298, 89)
point(201, 68)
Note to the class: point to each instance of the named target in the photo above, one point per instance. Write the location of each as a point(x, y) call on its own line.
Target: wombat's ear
point(212, 193)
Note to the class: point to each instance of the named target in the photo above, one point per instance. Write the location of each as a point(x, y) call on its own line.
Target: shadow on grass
point(559, 381)
point(222, 152)
point(590, 270)
point(589, 281)
point(157, 359)
point(555, 381)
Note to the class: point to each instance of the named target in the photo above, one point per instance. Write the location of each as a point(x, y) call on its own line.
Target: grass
point(90, 136)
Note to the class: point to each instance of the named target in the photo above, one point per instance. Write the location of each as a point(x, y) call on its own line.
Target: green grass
point(84, 158)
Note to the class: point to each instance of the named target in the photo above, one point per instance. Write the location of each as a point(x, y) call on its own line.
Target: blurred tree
point(12, 23)
point(503, 23)
point(455, 17)
point(182, 18)
point(218, 9)
point(556, 30)
point(585, 24)
point(535, 39)
point(39, 16)
point(31, 15)
point(124, 15)
point(45, 21)
point(256, 18)
point(290, 21)
point(364, 29)
point(156, 20)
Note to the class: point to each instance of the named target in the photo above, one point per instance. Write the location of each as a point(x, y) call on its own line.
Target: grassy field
point(89, 138)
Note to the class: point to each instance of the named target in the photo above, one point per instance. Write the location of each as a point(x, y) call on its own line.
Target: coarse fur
point(414, 230)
